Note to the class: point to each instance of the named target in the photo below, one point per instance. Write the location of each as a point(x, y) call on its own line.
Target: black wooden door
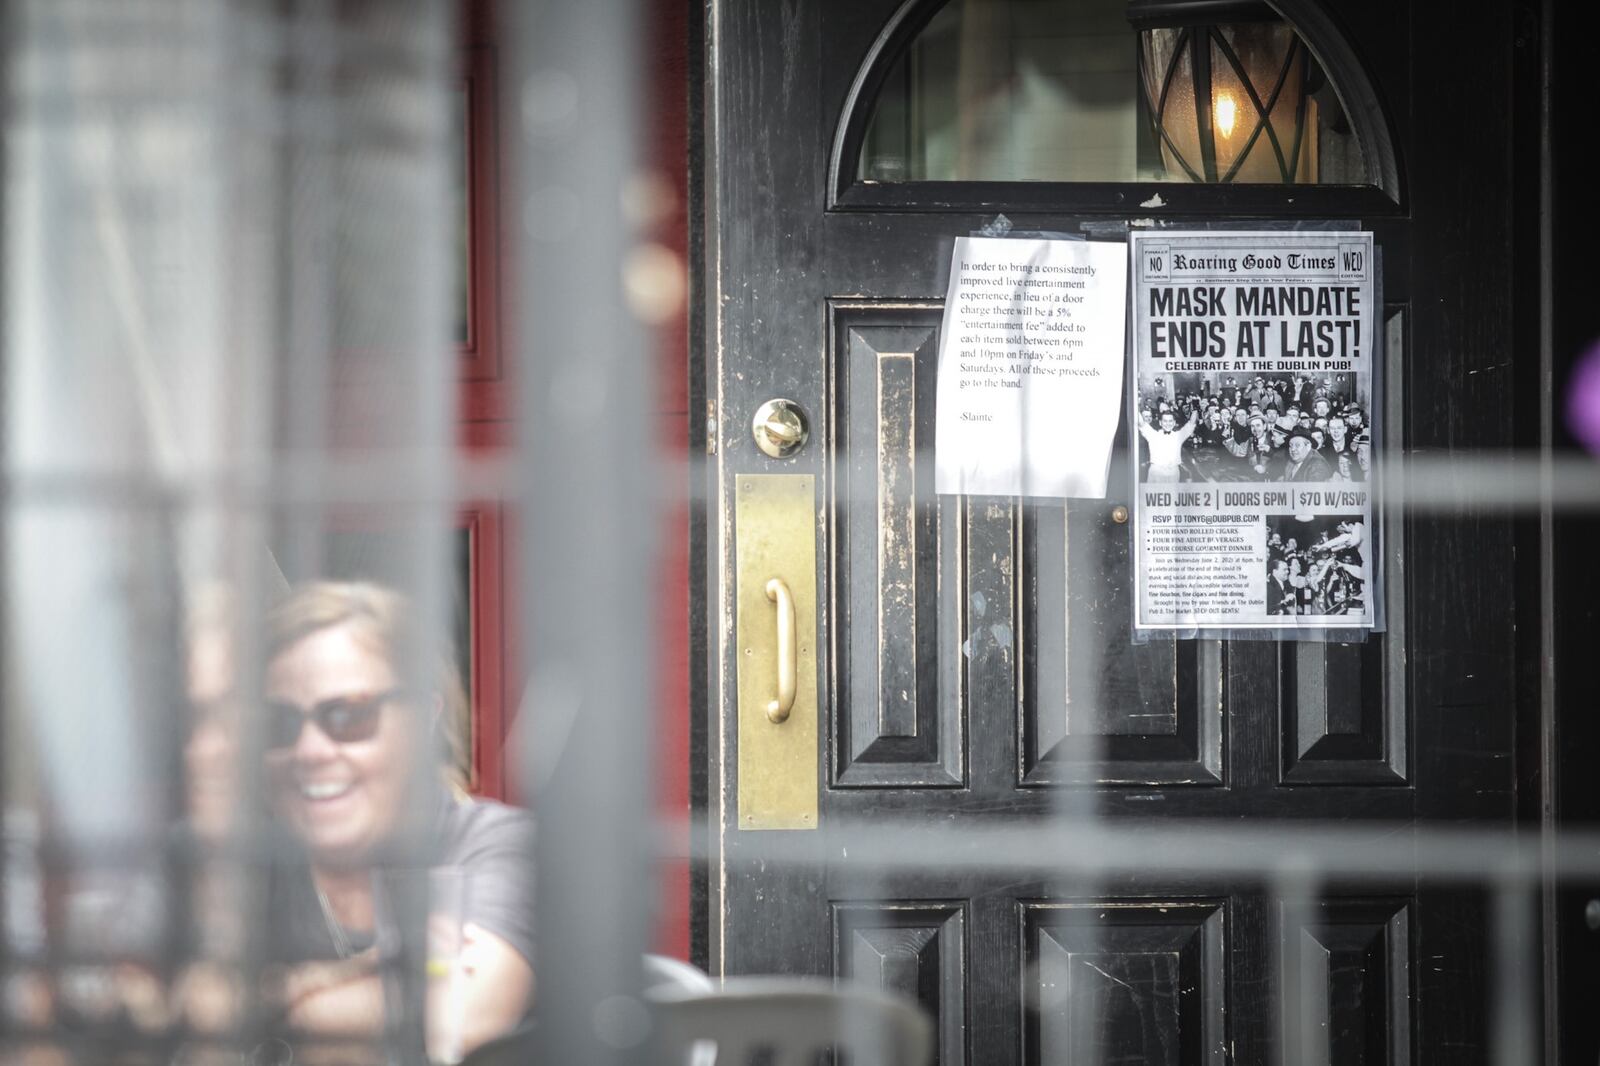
point(974, 668)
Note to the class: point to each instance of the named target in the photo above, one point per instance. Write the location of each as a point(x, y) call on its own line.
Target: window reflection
point(1057, 90)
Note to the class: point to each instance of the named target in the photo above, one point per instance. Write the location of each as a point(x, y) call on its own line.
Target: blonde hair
point(387, 617)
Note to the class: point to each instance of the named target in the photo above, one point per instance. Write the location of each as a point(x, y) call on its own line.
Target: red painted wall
point(487, 413)
point(668, 124)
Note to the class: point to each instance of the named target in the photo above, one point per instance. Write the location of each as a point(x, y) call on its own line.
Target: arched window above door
point(1111, 93)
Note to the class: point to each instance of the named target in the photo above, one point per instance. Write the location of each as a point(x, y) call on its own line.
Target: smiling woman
point(358, 704)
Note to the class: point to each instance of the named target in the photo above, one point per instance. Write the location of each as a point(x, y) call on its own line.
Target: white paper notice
point(1030, 367)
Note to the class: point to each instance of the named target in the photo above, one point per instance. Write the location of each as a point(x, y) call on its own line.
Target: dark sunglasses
point(343, 720)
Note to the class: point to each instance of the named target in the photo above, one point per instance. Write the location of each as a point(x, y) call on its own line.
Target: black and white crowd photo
point(1316, 565)
point(1253, 427)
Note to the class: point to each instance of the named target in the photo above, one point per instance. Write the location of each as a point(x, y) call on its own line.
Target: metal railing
point(216, 215)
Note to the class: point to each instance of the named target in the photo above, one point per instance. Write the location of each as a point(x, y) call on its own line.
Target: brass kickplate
point(775, 536)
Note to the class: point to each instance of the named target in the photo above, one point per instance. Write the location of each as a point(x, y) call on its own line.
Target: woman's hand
point(487, 998)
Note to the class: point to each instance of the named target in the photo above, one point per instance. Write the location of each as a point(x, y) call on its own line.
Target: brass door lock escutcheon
point(780, 428)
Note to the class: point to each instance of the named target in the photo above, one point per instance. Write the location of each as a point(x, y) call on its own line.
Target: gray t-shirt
point(492, 844)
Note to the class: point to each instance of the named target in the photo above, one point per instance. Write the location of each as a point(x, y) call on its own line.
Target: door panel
point(897, 695)
point(1097, 708)
point(1338, 727)
point(916, 949)
point(1130, 981)
point(1352, 961)
point(1344, 706)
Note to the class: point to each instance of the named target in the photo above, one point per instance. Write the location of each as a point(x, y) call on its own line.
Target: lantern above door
point(1228, 87)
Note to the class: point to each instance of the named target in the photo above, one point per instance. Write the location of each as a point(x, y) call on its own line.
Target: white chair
point(661, 972)
point(793, 1019)
point(664, 971)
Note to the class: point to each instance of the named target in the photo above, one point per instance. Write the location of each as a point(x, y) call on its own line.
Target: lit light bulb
point(1224, 111)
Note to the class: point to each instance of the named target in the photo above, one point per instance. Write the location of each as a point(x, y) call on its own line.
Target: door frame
point(1555, 615)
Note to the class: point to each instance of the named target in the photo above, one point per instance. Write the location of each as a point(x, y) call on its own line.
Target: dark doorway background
point(1572, 553)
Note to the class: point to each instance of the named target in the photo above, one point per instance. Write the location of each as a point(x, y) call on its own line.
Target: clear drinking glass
point(447, 900)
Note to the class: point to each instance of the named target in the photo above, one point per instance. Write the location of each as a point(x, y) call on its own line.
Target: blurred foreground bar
point(589, 508)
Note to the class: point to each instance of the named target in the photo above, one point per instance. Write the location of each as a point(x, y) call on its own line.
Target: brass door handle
point(775, 566)
point(778, 709)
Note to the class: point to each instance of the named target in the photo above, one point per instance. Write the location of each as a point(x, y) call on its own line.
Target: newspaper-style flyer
point(1252, 418)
